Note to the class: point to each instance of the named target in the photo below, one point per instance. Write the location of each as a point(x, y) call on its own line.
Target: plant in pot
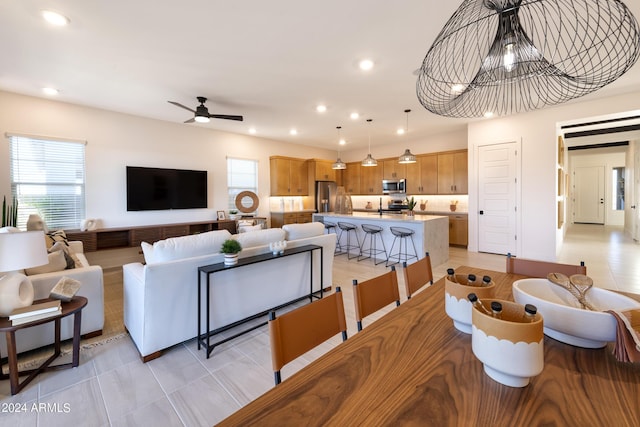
point(411, 204)
point(230, 249)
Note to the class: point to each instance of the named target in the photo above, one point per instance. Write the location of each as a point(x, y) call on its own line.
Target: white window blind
point(242, 175)
point(47, 178)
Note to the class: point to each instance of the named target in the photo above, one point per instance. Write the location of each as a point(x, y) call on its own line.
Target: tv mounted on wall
point(150, 189)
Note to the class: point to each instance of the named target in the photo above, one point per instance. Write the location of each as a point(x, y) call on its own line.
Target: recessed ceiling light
point(293, 132)
point(342, 142)
point(355, 116)
point(321, 108)
point(252, 131)
point(55, 18)
point(400, 131)
point(488, 114)
point(366, 64)
point(49, 91)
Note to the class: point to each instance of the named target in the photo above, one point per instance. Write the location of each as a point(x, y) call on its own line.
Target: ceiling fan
point(201, 113)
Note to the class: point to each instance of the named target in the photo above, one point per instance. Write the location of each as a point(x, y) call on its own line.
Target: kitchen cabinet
point(422, 176)
point(391, 169)
point(458, 230)
point(351, 178)
point(370, 180)
point(289, 176)
point(278, 219)
point(321, 170)
point(452, 172)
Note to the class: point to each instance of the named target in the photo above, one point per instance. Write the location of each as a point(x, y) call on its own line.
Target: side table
point(74, 307)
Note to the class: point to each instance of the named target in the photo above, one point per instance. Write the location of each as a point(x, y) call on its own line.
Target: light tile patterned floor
point(183, 388)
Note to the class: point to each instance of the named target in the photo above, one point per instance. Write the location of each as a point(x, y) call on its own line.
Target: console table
point(74, 307)
point(209, 270)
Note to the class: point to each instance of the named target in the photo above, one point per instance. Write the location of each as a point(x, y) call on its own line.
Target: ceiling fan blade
point(226, 117)
point(177, 104)
point(191, 120)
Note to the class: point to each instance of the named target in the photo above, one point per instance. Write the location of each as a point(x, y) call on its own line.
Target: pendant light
point(407, 157)
point(369, 161)
point(339, 164)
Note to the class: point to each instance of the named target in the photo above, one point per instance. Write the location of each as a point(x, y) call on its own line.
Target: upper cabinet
point(351, 178)
point(371, 179)
point(422, 176)
point(289, 176)
point(391, 169)
point(321, 170)
point(452, 172)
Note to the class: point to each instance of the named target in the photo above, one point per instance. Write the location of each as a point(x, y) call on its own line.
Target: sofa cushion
point(303, 231)
point(252, 239)
point(57, 262)
point(186, 246)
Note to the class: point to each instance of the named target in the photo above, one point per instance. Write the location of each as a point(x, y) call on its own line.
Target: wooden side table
point(74, 307)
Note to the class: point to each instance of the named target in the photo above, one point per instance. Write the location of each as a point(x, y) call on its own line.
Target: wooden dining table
point(412, 367)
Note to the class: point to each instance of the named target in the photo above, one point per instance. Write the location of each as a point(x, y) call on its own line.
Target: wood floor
point(112, 387)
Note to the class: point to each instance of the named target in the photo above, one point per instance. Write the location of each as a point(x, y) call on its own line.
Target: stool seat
point(372, 231)
point(350, 229)
point(403, 234)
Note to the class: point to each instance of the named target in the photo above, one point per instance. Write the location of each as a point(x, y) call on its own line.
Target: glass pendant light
point(339, 164)
point(407, 157)
point(369, 161)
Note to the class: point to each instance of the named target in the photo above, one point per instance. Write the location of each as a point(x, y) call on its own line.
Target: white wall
point(537, 131)
point(116, 140)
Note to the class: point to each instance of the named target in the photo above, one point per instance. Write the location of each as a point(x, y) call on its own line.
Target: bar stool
point(372, 231)
point(330, 227)
point(403, 234)
point(346, 249)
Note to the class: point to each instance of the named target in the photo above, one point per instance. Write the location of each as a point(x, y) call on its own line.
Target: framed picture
point(221, 215)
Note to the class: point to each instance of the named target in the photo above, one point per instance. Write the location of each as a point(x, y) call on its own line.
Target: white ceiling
point(271, 61)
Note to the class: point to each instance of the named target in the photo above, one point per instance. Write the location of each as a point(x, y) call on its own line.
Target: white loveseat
point(161, 297)
point(92, 315)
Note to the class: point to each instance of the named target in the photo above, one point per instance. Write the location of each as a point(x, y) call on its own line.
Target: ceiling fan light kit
point(201, 113)
point(512, 56)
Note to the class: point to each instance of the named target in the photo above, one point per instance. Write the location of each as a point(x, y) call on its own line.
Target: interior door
point(589, 194)
point(635, 209)
point(497, 169)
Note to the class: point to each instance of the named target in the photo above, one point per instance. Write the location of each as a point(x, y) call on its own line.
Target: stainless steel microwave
point(391, 186)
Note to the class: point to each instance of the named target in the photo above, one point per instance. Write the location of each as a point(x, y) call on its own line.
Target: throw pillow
point(56, 236)
point(68, 254)
point(56, 263)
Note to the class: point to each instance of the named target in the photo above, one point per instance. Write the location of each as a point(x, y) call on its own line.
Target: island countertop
point(431, 232)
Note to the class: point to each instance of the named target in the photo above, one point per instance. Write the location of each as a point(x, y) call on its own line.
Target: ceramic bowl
point(456, 303)
point(510, 348)
point(565, 320)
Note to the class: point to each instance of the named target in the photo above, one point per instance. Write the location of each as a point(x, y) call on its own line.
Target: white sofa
point(161, 297)
point(92, 315)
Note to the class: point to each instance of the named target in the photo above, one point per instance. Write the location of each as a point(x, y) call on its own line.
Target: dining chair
point(417, 275)
point(534, 268)
point(298, 331)
point(373, 294)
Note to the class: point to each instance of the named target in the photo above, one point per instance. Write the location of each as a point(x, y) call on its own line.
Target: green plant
point(233, 211)
point(411, 203)
point(230, 246)
point(9, 212)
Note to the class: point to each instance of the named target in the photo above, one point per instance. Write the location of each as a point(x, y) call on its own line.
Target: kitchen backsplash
point(436, 203)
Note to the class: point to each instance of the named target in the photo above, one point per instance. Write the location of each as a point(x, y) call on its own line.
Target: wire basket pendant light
point(510, 56)
point(407, 157)
point(369, 161)
point(339, 164)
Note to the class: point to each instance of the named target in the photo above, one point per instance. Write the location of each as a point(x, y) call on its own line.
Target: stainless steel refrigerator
point(325, 196)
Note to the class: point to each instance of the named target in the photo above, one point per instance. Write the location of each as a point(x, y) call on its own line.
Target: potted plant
point(230, 249)
point(411, 204)
point(233, 214)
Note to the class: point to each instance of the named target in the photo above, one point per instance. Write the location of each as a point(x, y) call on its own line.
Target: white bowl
point(565, 320)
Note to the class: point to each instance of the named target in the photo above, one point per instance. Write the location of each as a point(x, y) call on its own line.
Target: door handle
point(481, 212)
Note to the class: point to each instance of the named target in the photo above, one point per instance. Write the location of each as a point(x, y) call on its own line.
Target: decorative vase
point(423, 206)
point(452, 207)
point(410, 213)
point(230, 259)
point(16, 291)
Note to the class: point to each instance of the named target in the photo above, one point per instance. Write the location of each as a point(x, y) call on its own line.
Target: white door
point(588, 187)
point(497, 173)
point(635, 209)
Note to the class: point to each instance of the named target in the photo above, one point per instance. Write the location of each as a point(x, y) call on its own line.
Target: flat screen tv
point(151, 189)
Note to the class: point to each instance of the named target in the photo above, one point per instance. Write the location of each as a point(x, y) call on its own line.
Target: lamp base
point(16, 291)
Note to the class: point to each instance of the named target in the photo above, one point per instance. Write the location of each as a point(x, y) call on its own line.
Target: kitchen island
point(431, 231)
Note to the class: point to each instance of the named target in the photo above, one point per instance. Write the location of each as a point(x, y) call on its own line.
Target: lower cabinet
point(458, 230)
point(278, 219)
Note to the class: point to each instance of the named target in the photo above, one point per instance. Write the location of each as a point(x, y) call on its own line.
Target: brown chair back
point(417, 275)
point(298, 331)
point(373, 294)
point(533, 268)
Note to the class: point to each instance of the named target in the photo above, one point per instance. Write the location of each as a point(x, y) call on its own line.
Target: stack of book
point(34, 312)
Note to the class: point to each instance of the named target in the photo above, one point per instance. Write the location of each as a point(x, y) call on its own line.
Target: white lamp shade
point(22, 250)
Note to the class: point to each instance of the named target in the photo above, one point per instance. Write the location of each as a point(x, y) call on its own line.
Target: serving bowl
point(565, 320)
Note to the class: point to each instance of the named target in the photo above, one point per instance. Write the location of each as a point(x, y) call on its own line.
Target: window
point(47, 178)
point(242, 175)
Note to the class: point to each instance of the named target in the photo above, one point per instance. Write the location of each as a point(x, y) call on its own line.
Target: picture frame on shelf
point(221, 216)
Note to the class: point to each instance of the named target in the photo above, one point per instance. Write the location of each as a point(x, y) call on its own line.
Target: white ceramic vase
point(16, 291)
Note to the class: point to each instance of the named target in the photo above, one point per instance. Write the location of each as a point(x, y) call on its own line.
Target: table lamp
point(18, 251)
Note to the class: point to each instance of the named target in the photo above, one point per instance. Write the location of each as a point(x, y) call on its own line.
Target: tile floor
point(112, 387)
